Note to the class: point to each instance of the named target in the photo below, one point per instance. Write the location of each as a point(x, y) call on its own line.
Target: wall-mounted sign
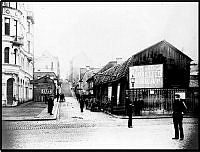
point(146, 76)
point(182, 94)
point(46, 91)
point(151, 91)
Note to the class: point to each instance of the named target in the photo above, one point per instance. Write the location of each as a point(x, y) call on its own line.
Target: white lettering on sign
point(46, 91)
point(146, 76)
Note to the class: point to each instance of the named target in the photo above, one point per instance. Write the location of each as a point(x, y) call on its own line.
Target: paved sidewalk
point(30, 111)
point(147, 116)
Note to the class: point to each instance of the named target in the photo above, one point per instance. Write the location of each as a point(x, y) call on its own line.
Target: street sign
point(46, 91)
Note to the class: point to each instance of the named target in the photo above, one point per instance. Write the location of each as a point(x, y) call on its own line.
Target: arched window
point(6, 55)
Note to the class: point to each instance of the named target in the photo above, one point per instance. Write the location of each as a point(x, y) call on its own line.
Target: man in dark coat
point(58, 95)
point(50, 104)
point(179, 108)
point(129, 111)
point(81, 103)
point(45, 99)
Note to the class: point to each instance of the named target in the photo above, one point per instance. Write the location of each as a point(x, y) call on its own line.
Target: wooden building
point(111, 85)
point(42, 87)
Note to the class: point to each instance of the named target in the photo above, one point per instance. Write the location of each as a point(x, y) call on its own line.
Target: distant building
point(17, 52)
point(77, 62)
point(48, 65)
point(89, 73)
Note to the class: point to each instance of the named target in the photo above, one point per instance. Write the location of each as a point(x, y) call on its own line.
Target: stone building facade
point(17, 53)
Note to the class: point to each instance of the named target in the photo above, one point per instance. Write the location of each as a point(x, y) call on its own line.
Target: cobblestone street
point(97, 130)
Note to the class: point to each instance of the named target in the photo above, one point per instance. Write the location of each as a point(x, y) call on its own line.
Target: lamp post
point(132, 81)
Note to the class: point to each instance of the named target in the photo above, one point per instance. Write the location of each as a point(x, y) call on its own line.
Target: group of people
point(179, 109)
point(61, 97)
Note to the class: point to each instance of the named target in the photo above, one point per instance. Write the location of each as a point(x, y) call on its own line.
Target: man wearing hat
point(50, 104)
point(179, 108)
point(129, 112)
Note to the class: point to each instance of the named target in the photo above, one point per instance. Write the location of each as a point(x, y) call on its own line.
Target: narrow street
point(96, 130)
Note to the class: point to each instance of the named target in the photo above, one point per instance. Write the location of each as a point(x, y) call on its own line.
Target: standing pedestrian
point(179, 108)
point(45, 99)
point(58, 95)
point(50, 104)
point(129, 111)
point(81, 103)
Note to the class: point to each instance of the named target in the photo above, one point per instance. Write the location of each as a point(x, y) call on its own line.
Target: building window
point(15, 52)
point(6, 55)
point(7, 26)
point(15, 27)
point(51, 65)
point(6, 4)
point(29, 27)
point(22, 63)
point(29, 46)
point(13, 5)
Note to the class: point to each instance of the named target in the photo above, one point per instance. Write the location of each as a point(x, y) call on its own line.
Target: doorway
point(10, 91)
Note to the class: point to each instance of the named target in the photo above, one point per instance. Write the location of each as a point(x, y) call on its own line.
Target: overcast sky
point(105, 31)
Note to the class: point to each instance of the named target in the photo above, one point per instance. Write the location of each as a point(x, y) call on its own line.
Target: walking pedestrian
point(179, 108)
point(50, 104)
point(130, 112)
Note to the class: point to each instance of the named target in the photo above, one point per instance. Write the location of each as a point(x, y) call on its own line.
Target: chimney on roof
point(119, 60)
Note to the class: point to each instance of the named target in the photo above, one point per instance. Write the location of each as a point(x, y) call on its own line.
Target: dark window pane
point(7, 26)
point(6, 55)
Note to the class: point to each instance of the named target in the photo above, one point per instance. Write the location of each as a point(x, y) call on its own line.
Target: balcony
point(18, 40)
point(11, 12)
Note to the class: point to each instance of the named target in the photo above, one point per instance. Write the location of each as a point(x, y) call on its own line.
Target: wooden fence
point(159, 101)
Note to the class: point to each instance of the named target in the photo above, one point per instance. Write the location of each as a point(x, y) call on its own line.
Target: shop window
point(6, 55)
point(7, 26)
